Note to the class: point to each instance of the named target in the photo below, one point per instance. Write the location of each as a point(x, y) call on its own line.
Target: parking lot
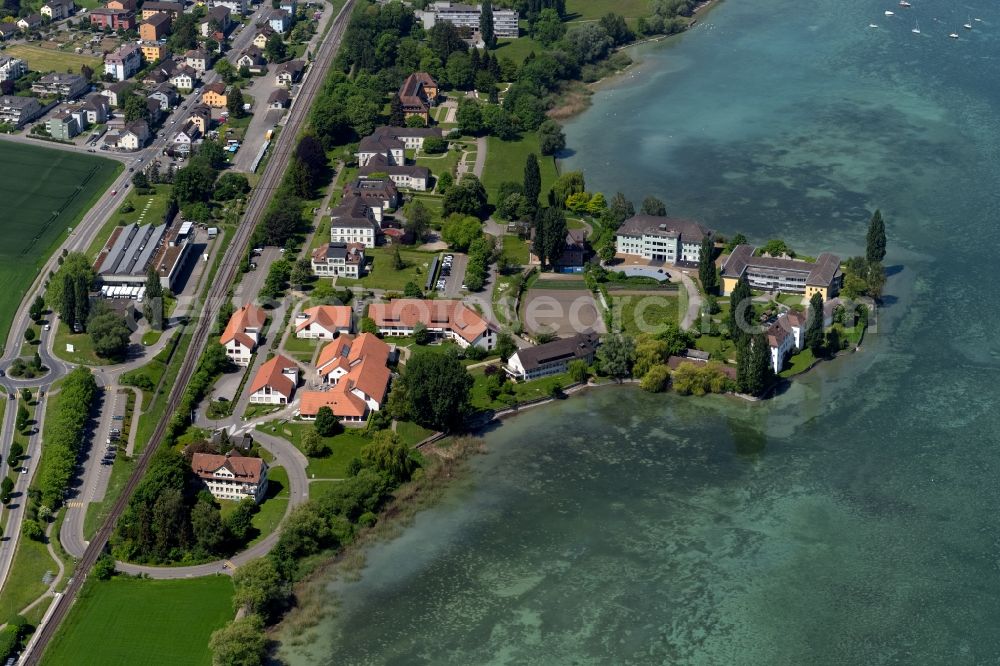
point(451, 274)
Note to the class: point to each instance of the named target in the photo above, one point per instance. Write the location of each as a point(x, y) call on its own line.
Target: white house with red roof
point(323, 321)
point(355, 370)
point(785, 335)
point(449, 319)
point(242, 333)
point(275, 382)
point(232, 476)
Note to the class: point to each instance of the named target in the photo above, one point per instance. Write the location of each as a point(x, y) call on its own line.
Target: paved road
point(285, 455)
point(477, 169)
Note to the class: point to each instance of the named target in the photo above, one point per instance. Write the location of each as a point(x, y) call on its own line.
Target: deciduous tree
point(653, 206)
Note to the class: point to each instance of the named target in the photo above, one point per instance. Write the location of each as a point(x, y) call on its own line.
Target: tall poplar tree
point(706, 266)
point(486, 25)
point(68, 310)
point(152, 307)
point(814, 329)
point(532, 179)
point(875, 250)
point(740, 319)
point(396, 116)
point(759, 372)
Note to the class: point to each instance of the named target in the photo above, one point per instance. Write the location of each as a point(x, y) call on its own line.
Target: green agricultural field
point(47, 193)
point(505, 161)
point(51, 60)
point(143, 622)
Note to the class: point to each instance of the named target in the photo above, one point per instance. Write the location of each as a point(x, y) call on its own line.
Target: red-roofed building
point(242, 333)
point(232, 476)
point(323, 321)
point(275, 382)
point(447, 319)
point(355, 368)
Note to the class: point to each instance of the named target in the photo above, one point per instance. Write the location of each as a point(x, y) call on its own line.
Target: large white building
point(467, 16)
point(352, 222)
point(661, 239)
point(12, 68)
point(123, 62)
point(785, 335)
point(231, 477)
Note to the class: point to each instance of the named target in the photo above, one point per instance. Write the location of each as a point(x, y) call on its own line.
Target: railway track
point(259, 199)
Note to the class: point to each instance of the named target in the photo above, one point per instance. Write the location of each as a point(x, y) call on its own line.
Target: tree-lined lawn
point(340, 449)
point(382, 275)
point(137, 621)
point(505, 162)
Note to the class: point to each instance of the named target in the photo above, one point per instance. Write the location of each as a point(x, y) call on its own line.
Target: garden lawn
point(440, 163)
point(341, 448)
point(515, 249)
point(592, 10)
point(46, 194)
point(51, 60)
point(523, 391)
point(381, 274)
point(517, 49)
point(143, 622)
point(24, 583)
point(798, 364)
point(83, 347)
point(646, 313)
point(272, 509)
point(719, 349)
point(505, 161)
point(411, 433)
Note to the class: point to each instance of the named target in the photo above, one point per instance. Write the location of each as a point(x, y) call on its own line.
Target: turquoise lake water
point(851, 520)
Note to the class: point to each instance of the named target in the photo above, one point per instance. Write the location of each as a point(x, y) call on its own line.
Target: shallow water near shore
point(852, 519)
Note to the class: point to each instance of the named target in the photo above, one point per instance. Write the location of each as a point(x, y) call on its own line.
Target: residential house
point(29, 22)
point(57, 10)
point(8, 30)
point(79, 116)
point(122, 63)
point(289, 6)
point(408, 176)
point(418, 94)
point(165, 95)
point(379, 194)
point(661, 239)
point(466, 17)
point(552, 358)
point(357, 373)
point(186, 137)
point(214, 95)
point(574, 252)
point(288, 73)
point(199, 60)
point(393, 149)
point(202, 117)
point(154, 28)
point(18, 110)
point(121, 5)
point(97, 107)
point(275, 382)
point(62, 126)
point(241, 7)
point(785, 335)
point(253, 59)
point(135, 136)
point(353, 222)
point(243, 333)
point(184, 78)
point(279, 20)
point(782, 275)
point(279, 99)
point(170, 9)
point(217, 20)
point(12, 68)
point(448, 319)
point(323, 322)
point(160, 72)
point(106, 18)
point(154, 112)
point(339, 260)
point(264, 32)
point(114, 93)
point(65, 86)
point(231, 477)
point(154, 52)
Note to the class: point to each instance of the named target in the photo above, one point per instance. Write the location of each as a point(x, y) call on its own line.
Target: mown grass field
point(24, 584)
point(48, 192)
point(382, 275)
point(51, 60)
point(517, 49)
point(505, 161)
point(143, 622)
point(592, 10)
